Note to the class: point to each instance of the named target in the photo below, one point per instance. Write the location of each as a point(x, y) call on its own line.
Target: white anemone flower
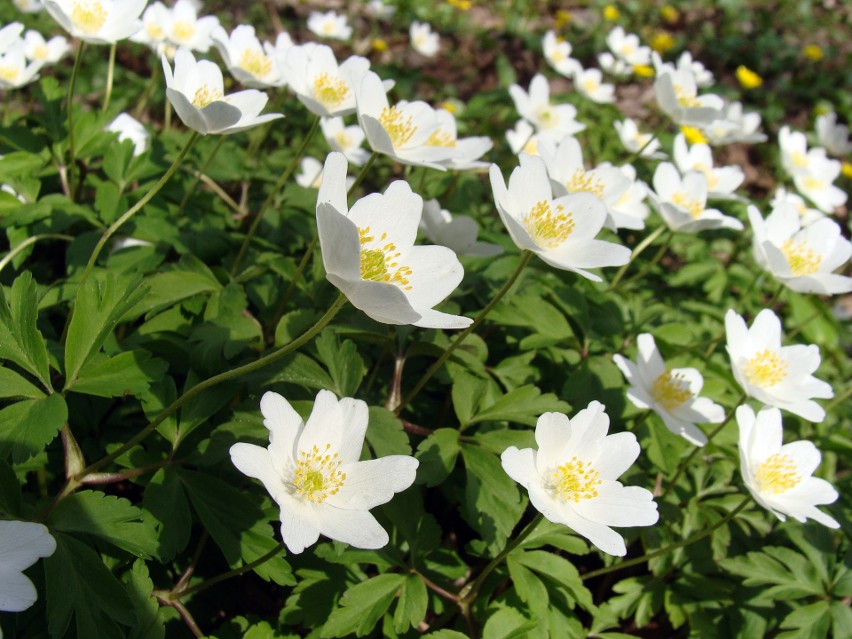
point(681, 202)
point(677, 95)
point(634, 140)
point(129, 128)
point(780, 476)
point(345, 139)
point(329, 25)
point(796, 158)
point(456, 232)
point(703, 77)
point(589, 82)
point(14, 70)
point(560, 231)
point(734, 126)
point(196, 91)
point(630, 211)
point(186, 29)
point(312, 471)
point(310, 173)
point(535, 107)
point(379, 9)
point(816, 183)
point(156, 21)
point(37, 49)
point(466, 151)
point(672, 393)
point(833, 136)
point(423, 40)
point(626, 47)
point(614, 65)
point(97, 21)
point(369, 253)
point(22, 543)
point(802, 258)
point(251, 62)
point(807, 214)
point(324, 87)
point(722, 181)
point(572, 478)
point(10, 35)
point(523, 138)
point(776, 375)
point(28, 6)
point(557, 52)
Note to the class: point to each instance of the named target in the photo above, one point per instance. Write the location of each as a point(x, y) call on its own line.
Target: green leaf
point(385, 433)
point(529, 587)
point(557, 570)
point(107, 517)
point(10, 490)
point(362, 606)
point(128, 373)
point(508, 623)
point(28, 426)
point(149, 622)
point(814, 620)
point(523, 405)
point(190, 278)
point(467, 393)
point(302, 370)
point(437, 454)
point(343, 362)
point(20, 340)
point(411, 607)
point(13, 385)
point(166, 500)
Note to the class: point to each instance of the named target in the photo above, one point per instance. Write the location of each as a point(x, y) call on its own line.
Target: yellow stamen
point(670, 391)
point(254, 61)
point(399, 127)
point(330, 90)
point(343, 139)
point(803, 260)
point(777, 475)
point(685, 99)
point(690, 205)
point(766, 369)
point(547, 117)
point(441, 138)
point(379, 262)
point(9, 73)
point(183, 30)
point(41, 52)
point(585, 182)
point(88, 16)
point(155, 31)
point(547, 229)
point(317, 476)
point(204, 96)
point(576, 481)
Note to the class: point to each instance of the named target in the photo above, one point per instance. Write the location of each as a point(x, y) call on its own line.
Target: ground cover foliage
point(129, 370)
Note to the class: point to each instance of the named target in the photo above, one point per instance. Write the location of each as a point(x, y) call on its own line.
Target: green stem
point(636, 253)
point(664, 551)
point(28, 242)
point(236, 572)
point(362, 173)
point(271, 197)
point(526, 256)
point(110, 75)
point(69, 107)
point(202, 171)
point(654, 136)
point(218, 379)
point(654, 260)
point(775, 296)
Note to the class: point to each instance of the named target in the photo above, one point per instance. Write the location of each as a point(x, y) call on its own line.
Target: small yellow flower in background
point(846, 169)
point(611, 13)
point(379, 45)
point(670, 14)
point(693, 135)
point(748, 78)
point(813, 52)
point(452, 105)
point(563, 17)
point(463, 5)
point(644, 70)
point(662, 41)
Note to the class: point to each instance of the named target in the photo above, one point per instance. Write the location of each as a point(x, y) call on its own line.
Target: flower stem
point(236, 572)
point(30, 241)
point(636, 253)
point(69, 107)
point(654, 136)
point(269, 199)
point(362, 173)
point(664, 551)
point(110, 76)
point(526, 256)
point(201, 171)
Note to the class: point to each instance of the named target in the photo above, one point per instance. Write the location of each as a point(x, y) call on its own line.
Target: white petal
point(618, 505)
point(357, 528)
point(617, 454)
point(297, 532)
point(371, 483)
point(17, 592)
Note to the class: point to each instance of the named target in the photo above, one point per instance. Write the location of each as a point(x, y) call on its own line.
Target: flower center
point(255, 62)
point(590, 85)
point(204, 96)
point(670, 391)
point(576, 481)
point(803, 260)
point(379, 261)
point(9, 73)
point(709, 173)
point(799, 159)
point(688, 204)
point(399, 127)
point(441, 138)
point(88, 16)
point(765, 369)
point(154, 31)
point(777, 475)
point(328, 27)
point(547, 117)
point(343, 139)
point(184, 30)
point(546, 228)
point(330, 90)
point(811, 183)
point(40, 52)
point(684, 98)
point(317, 474)
point(585, 182)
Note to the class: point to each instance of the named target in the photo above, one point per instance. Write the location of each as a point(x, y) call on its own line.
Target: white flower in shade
point(776, 375)
point(196, 91)
point(780, 476)
point(22, 543)
point(627, 48)
point(97, 21)
point(329, 25)
point(807, 215)
point(345, 139)
point(423, 40)
point(10, 35)
point(682, 201)
point(535, 107)
point(833, 136)
point(156, 21)
point(677, 95)
point(409, 132)
point(802, 258)
point(369, 253)
point(324, 87)
point(187, 30)
point(721, 181)
point(633, 140)
point(251, 62)
point(703, 77)
point(129, 128)
point(37, 49)
point(560, 231)
point(455, 232)
point(734, 126)
point(630, 211)
point(466, 151)
point(672, 393)
point(590, 83)
point(572, 478)
point(312, 471)
point(815, 183)
point(14, 70)
point(28, 6)
point(557, 52)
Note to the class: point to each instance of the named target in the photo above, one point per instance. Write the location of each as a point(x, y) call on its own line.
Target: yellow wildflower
point(644, 70)
point(670, 14)
point(846, 169)
point(463, 5)
point(748, 78)
point(813, 52)
point(693, 135)
point(611, 13)
point(662, 41)
point(379, 45)
point(562, 18)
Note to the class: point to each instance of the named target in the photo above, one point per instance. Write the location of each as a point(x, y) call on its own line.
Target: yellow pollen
point(254, 61)
point(9, 73)
point(317, 476)
point(691, 206)
point(585, 182)
point(154, 31)
point(558, 55)
point(88, 16)
point(343, 139)
point(531, 147)
point(685, 99)
point(590, 84)
point(398, 126)
point(184, 30)
point(41, 52)
point(547, 117)
point(799, 159)
point(777, 475)
point(441, 138)
point(204, 96)
point(547, 229)
point(803, 260)
point(379, 261)
point(765, 369)
point(576, 481)
point(330, 90)
point(813, 184)
point(670, 391)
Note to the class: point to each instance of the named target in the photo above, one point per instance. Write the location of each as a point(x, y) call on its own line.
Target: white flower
point(310, 173)
point(97, 21)
point(379, 9)
point(22, 543)
point(524, 139)
point(572, 477)
point(779, 476)
point(677, 95)
point(311, 470)
point(196, 92)
point(186, 29)
point(795, 156)
point(557, 52)
point(560, 231)
point(39, 50)
point(329, 25)
point(129, 128)
point(627, 48)
point(324, 87)
point(14, 70)
point(457, 233)
point(802, 258)
point(815, 183)
point(423, 40)
point(833, 136)
point(156, 21)
point(466, 151)
point(773, 374)
point(630, 211)
point(681, 202)
point(703, 77)
point(721, 181)
point(590, 83)
point(672, 393)
point(633, 140)
point(28, 6)
point(369, 253)
point(345, 139)
point(535, 107)
point(613, 65)
point(734, 126)
point(10, 35)
point(807, 214)
point(253, 64)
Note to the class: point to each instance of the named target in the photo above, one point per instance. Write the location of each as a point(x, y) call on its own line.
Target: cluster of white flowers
point(23, 54)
